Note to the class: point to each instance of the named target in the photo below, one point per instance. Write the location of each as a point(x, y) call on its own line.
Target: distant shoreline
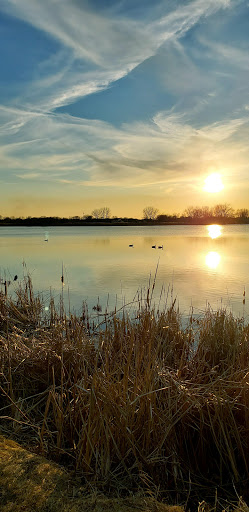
point(105, 223)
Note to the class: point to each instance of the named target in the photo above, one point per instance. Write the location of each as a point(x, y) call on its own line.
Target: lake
point(197, 266)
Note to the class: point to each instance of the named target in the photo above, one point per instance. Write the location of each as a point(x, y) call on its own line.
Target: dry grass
point(135, 406)
point(31, 483)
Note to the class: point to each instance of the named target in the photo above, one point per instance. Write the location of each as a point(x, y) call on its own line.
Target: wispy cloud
point(29, 175)
point(222, 131)
point(103, 40)
point(237, 57)
point(199, 122)
point(114, 45)
point(94, 152)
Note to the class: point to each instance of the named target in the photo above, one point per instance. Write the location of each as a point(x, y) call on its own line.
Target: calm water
point(196, 266)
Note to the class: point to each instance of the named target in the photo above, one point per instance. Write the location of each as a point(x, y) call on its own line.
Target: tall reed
point(144, 402)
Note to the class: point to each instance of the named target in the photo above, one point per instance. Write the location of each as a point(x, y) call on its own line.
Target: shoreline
point(67, 222)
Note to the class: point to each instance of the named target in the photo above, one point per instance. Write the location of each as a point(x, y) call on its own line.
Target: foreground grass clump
point(142, 404)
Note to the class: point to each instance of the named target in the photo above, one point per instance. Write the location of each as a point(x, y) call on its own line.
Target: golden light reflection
point(212, 259)
point(214, 230)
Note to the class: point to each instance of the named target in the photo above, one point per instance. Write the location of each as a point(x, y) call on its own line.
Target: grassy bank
point(142, 405)
point(31, 483)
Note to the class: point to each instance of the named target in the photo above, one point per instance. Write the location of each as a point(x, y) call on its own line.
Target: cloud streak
point(112, 45)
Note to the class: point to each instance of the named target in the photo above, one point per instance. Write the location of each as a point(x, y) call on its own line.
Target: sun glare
point(214, 230)
point(213, 183)
point(212, 260)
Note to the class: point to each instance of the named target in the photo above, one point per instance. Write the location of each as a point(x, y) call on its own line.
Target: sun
point(213, 183)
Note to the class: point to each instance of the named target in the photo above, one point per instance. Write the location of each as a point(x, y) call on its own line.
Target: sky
point(122, 103)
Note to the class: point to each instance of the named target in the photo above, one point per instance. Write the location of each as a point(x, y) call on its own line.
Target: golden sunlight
point(212, 259)
point(213, 183)
point(214, 230)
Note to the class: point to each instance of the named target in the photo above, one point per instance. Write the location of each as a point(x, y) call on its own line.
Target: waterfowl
point(153, 246)
point(160, 247)
point(131, 245)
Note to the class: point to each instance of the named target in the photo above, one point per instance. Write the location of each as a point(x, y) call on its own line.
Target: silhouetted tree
point(198, 212)
point(243, 213)
point(101, 213)
point(223, 210)
point(149, 212)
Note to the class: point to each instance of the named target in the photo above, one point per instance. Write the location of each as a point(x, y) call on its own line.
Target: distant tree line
point(220, 210)
point(223, 213)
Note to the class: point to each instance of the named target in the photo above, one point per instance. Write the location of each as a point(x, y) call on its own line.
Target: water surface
point(198, 265)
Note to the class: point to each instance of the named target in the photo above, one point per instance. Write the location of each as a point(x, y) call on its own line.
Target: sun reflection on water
point(214, 230)
point(212, 259)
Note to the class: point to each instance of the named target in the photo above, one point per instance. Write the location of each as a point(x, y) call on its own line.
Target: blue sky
point(122, 103)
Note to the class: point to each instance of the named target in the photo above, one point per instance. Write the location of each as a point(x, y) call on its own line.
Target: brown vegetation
point(31, 483)
point(142, 404)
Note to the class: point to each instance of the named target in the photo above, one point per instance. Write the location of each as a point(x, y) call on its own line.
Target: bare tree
point(96, 213)
point(198, 212)
point(106, 212)
point(101, 213)
point(223, 210)
point(149, 212)
point(243, 213)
